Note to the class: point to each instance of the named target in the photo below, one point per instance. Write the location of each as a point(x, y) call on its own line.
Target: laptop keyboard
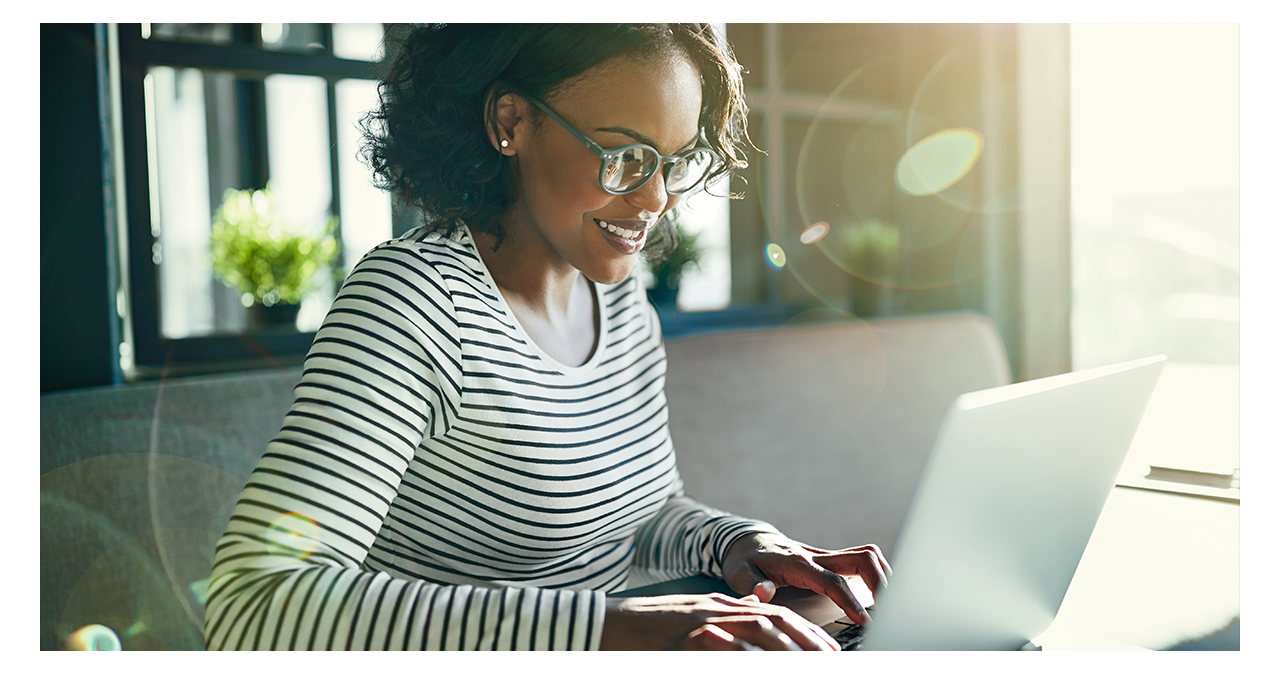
point(846, 633)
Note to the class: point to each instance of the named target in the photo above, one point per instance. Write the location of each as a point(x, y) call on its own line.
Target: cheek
point(564, 182)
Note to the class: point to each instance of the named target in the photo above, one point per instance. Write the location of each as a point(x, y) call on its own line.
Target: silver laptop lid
point(1006, 505)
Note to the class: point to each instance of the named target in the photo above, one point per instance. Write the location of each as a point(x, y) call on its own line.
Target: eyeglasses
point(626, 168)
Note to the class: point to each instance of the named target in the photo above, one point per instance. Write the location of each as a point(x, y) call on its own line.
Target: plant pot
point(279, 314)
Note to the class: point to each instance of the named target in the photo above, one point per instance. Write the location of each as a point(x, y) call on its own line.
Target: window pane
point(360, 41)
point(298, 157)
point(293, 37)
point(209, 33)
point(707, 286)
point(849, 230)
point(366, 210)
point(197, 153)
point(180, 174)
point(1155, 190)
point(817, 58)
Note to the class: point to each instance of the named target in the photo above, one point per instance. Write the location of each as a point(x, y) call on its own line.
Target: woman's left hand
point(761, 563)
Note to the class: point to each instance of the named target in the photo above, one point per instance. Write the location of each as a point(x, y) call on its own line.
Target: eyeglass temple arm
point(591, 145)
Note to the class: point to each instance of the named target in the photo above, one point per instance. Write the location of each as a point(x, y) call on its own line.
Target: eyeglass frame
point(606, 154)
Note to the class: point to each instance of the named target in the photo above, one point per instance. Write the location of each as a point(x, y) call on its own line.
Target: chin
point(608, 275)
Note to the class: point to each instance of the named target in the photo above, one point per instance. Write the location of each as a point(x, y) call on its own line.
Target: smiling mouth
point(623, 232)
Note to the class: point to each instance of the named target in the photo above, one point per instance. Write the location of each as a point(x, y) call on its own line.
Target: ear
point(505, 120)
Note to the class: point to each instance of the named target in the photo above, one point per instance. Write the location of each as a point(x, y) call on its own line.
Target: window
point(707, 286)
point(208, 108)
point(890, 179)
point(1155, 152)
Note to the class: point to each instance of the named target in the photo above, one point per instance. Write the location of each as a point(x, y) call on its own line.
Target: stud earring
point(504, 143)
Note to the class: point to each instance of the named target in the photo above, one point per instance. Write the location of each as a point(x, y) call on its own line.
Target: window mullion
point(335, 207)
point(247, 60)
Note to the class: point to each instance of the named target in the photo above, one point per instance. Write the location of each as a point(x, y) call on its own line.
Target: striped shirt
point(441, 483)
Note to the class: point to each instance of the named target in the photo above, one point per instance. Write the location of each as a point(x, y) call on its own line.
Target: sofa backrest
point(137, 482)
point(821, 430)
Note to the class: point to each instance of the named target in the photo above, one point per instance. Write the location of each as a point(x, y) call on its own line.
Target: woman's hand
point(761, 563)
point(708, 622)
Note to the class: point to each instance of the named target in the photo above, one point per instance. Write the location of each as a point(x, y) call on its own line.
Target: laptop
point(1003, 511)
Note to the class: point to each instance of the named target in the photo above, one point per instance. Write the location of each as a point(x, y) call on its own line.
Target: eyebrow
point(645, 139)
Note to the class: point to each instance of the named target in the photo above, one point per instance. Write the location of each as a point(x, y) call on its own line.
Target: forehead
point(660, 98)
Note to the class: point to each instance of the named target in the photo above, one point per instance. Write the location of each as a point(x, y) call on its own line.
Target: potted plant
point(685, 255)
point(269, 261)
point(871, 250)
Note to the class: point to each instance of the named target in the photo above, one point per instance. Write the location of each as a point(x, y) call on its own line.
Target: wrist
point(619, 631)
point(745, 544)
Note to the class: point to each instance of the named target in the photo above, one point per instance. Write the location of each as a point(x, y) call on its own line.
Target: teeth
point(620, 231)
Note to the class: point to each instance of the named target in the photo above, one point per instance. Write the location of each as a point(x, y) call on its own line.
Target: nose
point(652, 196)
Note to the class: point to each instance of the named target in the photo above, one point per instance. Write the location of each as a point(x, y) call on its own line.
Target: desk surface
point(1135, 586)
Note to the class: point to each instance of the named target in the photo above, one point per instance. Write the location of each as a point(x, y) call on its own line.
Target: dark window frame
point(247, 60)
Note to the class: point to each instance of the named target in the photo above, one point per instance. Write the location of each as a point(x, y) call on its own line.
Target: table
point(1135, 586)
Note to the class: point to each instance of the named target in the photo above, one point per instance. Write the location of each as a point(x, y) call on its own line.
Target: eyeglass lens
point(635, 165)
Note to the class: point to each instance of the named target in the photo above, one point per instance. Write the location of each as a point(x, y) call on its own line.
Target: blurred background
point(1061, 179)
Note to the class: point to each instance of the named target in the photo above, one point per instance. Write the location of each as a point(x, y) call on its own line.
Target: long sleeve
point(687, 537)
point(384, 373)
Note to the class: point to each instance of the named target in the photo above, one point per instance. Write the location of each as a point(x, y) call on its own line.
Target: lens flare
point(775, 255)
point(200, 589)
point(814, 232)
point(938, 161)
point(94, 637)
point(300, 534)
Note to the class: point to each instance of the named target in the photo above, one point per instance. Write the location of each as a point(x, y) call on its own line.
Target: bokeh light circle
point(938, 161)
point(775, 256)
point(814, 233)
point(94, 637)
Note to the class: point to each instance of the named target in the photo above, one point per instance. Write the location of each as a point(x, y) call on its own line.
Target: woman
point(478, 451)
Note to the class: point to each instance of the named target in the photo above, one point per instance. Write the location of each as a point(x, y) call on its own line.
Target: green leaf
point(257, 253)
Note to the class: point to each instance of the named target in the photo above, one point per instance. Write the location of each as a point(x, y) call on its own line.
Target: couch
point(822, 430)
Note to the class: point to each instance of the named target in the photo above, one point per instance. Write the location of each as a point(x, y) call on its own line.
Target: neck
point(530, 279)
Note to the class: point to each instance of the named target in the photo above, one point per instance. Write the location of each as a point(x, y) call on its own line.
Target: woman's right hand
point(715, 622)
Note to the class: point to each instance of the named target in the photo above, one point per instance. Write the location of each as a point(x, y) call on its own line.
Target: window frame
point(246, 59)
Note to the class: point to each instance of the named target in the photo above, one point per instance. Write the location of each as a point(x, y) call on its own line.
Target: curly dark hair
point(427, 142)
